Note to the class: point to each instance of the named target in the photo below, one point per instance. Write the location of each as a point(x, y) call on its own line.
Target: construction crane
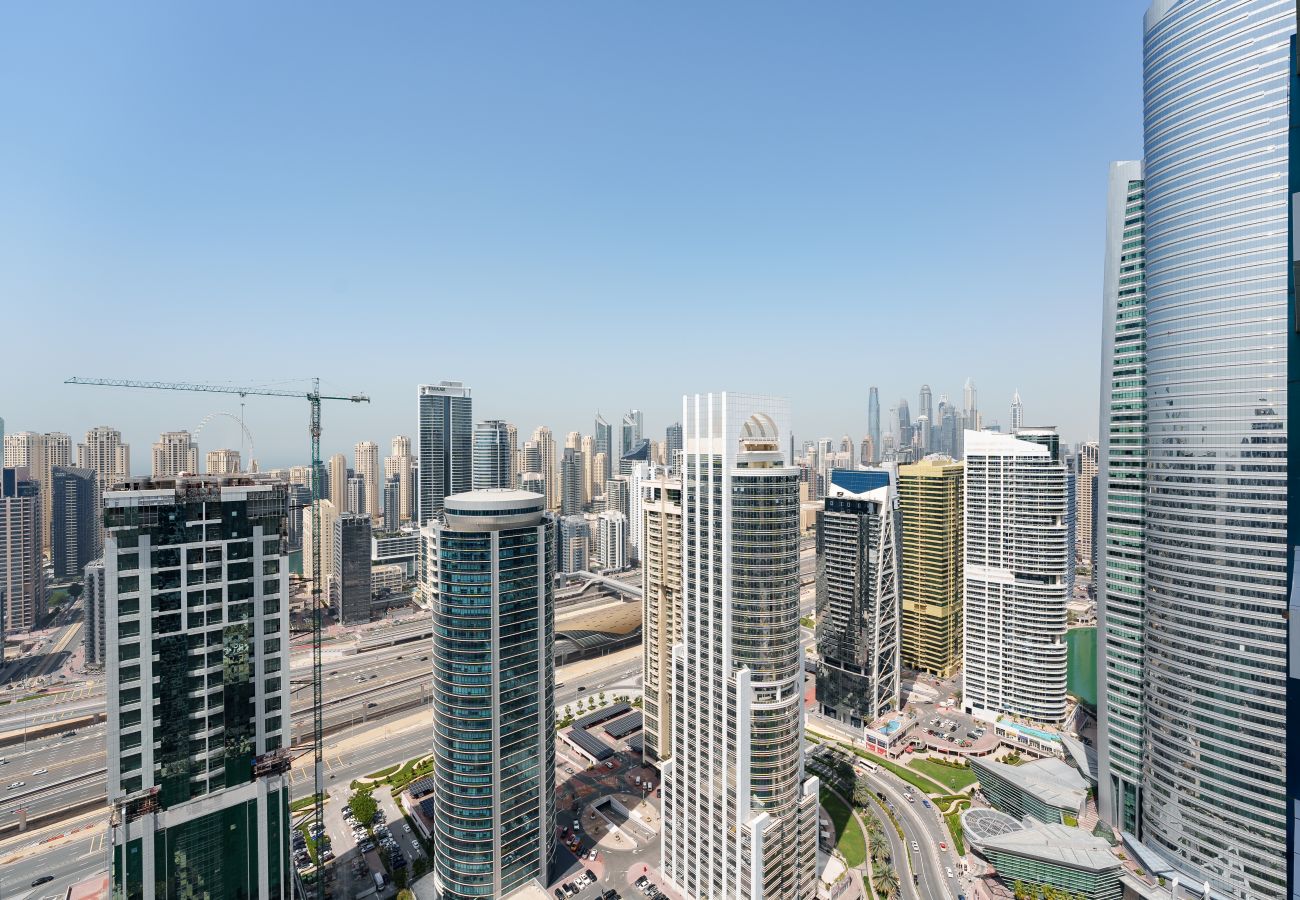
point(313, 398)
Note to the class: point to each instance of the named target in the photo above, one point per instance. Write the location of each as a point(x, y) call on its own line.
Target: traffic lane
point(897, 849)
point(925, 830)
point(570, 689)
point(70, 862)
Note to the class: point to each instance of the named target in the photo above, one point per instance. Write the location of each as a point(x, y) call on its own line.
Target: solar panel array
point(604, 714)
point(621, 728)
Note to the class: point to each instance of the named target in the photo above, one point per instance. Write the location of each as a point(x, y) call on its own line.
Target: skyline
point(534, 170)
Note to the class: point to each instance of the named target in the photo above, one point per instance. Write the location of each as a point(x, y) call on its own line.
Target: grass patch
point(410, 771)
point(807, 622)
point(954, 828)
point(1070, 820)
point(957, 778)
point(848, 834)
point(384, 772)
point(911, 776)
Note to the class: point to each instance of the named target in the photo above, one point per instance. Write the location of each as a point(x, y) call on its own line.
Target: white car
point(948, 872)
point(406, 826)
point(16, 784)
point(916, 848)
point(41, 772)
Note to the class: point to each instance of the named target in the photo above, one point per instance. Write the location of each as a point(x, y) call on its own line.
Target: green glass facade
point(197, 653)
point(1013, 867)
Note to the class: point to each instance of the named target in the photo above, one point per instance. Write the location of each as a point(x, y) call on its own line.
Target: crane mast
point(314, 398)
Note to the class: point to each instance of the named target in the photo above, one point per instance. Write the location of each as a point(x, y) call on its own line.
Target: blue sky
point(568, 206)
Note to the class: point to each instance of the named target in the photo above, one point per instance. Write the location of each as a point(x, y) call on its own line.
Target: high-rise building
point(446, 444)
point(105, 455)
point(575, 544)
point(366, 458)
point(299, 499)
point(1087, 474)
point(39, 454)
point(338, 477)
point(868, 451)
point(571, 482)
point(350, 594)
point(631, 430)
point(661, 589)
point(175, 453)
point(672, 445)
point(1016, 569)
point(970, 400)
point(490, 570)
point(739, 816)
point(222, 462)
point(547, 464)
point(1121, 485)
point(1213, 790)
point(573, 441)
point(925, 408)
point(873, 424)
point(636, 455)
point(93, 607)
point(589, 489)
point(400, 446)
point(1017, 413)
point(356, 495)
point(329, 514)
point(392, 518)
point(613, 539)
point(401, 465)
point(533, 483)
point(599, 464)
point(604, 437)
point(930, 505)
point(75, 531)
point(197, 661)
point(857, 598)
point(22, 577)
point(617, 495)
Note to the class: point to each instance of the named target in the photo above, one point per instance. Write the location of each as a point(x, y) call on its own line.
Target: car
point(17, 784)
point(943, 845)
point(592, 854)
point(371, 705)
point(591, 876)
point(559, 892)
point(44, 879)
point(406, 826)
point(948, 871)
point(576, 824)
point(609, 764)
point(916, 848)
point(910, 798)
point(68, 734)
point(642, 880)
point(925, 803)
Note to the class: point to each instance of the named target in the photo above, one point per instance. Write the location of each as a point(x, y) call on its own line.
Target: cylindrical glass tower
point(490, 571)
point(1216, 130)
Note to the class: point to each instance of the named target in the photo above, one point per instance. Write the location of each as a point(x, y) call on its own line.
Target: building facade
point(175, 453)
point(105, 455)
point(75, 531)
point(94, 629)
point(739, 815)
point(930, 496)
point(1215, 511)
point(197, 661)
point(366, 456)
point(661, 592)
point(446, 453)
point(22, 576)
point(350, 593)
point(612, 540)
point(493, 456)
point(1016, 569)
point(490, 574)
point(857, 598)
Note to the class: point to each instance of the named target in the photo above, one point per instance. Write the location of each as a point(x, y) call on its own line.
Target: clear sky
point(568, 206)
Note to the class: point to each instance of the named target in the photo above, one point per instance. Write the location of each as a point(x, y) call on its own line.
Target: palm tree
point(879, 853)
point(885, 881)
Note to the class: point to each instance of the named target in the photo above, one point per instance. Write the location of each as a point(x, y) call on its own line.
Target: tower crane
point(313, 398)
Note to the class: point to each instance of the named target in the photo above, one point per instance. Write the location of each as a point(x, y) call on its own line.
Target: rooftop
point(1059, 844)
point(1051, 780)
point(982, 824)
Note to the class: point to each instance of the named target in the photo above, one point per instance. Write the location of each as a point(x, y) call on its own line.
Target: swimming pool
point(1032, 732)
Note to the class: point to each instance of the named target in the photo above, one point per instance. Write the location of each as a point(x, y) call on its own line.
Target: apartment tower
point(930, 495)
point(446, 452)
point(739, 815)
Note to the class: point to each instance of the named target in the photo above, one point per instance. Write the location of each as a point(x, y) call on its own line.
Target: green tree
point(74, 590)
point(885, 880)
point(861, 792)
point(363, 805)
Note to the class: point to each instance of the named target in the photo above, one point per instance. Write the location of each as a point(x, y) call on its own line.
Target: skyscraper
point(338, 476)
point(198, 764)
point(39, 454)
point(930, 507)
point(672, 444)
point(329, 514)
point(926, 411)
point(873, 424)
point(857, 598)
point(549, 465)
point(175, 453)
point(631, 431)
point(401, 463)
point(739, 816)
point(356, 495)
point(491, 567)
point(366, 457)
point(22, 578)
point(971, 406)
point(74, 533)
point(105, 455)
point(1016, 570)
point(1121, 484)
point(612, 540)
point(222, 462)
point(1017, 413)
point(93, 611)
point(446, 444)
point(392, 518)
point(1216, 253)
point(604, 436)
point(350, 593)
point(575, 544)
point(571, 482)
point(1087, 473)
point(661, 589)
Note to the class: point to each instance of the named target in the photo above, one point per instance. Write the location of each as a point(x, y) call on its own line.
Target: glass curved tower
point(1216, 133)
point(490, 571)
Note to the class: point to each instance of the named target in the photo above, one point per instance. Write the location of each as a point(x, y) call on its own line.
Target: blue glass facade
point(493, 686)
